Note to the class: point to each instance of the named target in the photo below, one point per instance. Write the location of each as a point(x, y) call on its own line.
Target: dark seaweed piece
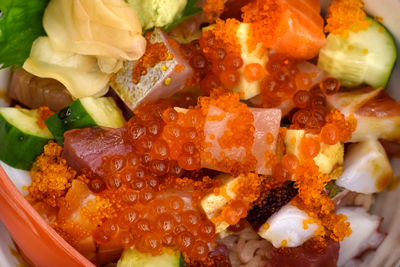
point(273, 200)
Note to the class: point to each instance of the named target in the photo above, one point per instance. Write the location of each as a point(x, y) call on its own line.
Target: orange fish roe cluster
point(150, 219)
point(222, 49)
point(51, 176)
point(312, 199)
point(240, 130)
point(178, 68)
point(183, 133)
point(140, 199)
point(225, 36)
point(193, 53)
point(312, 110)
point(282, 81)
point(44, 113)
point(345, 16)
point(213, 8)
point(344, 128)
point(264, 16)
point(248, 187)
point(155, 53)
point(238, 133)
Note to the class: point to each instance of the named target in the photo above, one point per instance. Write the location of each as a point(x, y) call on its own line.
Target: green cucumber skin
point(385, 66)
point(71, 117)
point(182, 262)
point(17, 149)
point(396, 55)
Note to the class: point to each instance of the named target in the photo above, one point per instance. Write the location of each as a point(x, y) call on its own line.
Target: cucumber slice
point(21, 138)
point(365, 57)
point(133, 258)
point(83, 113)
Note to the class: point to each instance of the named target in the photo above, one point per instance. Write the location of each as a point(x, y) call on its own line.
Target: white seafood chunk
point(365, 234)
point(366, 168)
point(289, 227)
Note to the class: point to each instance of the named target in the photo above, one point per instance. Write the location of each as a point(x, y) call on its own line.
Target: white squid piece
point(366, 168)
point(289, 227)
point(365, 234)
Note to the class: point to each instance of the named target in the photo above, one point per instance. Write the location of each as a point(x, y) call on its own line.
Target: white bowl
point(387, 255)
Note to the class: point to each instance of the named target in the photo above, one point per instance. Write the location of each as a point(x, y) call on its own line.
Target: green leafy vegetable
point(189, 11)
point(20, 25)
point(333, 189)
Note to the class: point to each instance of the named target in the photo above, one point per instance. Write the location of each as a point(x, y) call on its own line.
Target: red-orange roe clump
point(329, 86)
point(155, 53)
point(239, 132)
point(225, 37)
point(290, 162)
point(153, 216)
point(213, 8)
point(345, 127)
point(302, 99)
point(345, 16)
point(44, 113)
point(329, 134)
point(222, 49)
point(51, 176)
point(312, 112)
point(253, 72)
point(234, 211)
point(183, 134)
point(229, 77)
point(309, 147)
point(264, 16)
point(280, 82)
point(312, 199)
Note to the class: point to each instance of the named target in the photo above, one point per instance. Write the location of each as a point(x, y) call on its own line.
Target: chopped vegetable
point(21, 138)
point(133, 258)
point(85, 112)
point(20, 25)
point(367, 56)
point(80, 74)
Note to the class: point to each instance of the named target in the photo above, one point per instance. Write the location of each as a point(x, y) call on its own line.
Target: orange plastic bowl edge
point(38, 241)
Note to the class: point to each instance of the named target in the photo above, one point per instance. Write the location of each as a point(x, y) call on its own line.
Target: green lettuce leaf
point(20, 25)
point(189, 11)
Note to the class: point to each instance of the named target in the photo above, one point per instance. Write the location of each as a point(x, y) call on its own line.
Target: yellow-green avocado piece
point(157, 13)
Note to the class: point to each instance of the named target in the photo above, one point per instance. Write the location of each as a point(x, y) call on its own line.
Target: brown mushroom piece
point(34, 92)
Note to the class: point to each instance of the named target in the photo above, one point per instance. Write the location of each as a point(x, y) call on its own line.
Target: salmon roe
point(290, 162)
point(147, 204)
point(312, 109)
point(282, 81)
point(329, 86)
point(253, 72)
point(309, 147)
point(329, 134)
